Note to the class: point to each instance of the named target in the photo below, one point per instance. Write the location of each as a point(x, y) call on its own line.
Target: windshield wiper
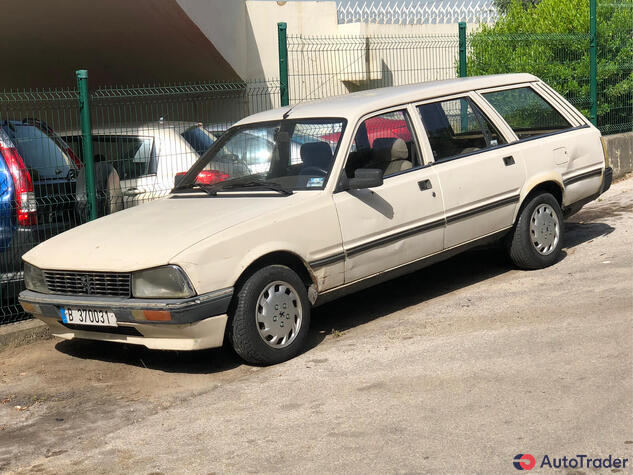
point(258, 183)
point(197, 186)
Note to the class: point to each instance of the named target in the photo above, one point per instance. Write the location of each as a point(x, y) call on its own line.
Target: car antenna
point(287, 113)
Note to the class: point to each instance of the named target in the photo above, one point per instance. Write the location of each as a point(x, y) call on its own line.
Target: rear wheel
point(537, 238)
point(272, 316)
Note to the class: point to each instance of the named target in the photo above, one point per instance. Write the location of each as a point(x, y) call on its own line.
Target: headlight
point(34, 279)
point(161, 282)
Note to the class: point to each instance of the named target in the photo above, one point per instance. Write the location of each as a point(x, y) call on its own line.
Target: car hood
point(151, 234)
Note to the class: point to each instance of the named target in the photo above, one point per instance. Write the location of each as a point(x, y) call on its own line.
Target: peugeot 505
point(387, 181)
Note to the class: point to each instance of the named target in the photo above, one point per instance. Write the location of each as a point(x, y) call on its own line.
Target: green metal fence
point(332, 65)
point(561, 60)
point(141, 137)
point(615, 66)
point(596, 76)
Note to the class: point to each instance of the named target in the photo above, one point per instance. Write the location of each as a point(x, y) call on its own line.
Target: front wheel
point(537, 238)
point(272, 316)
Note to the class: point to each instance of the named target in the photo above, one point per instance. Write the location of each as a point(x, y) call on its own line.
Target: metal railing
point(413, 13)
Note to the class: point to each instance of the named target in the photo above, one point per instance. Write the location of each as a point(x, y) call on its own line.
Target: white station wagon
point(388, 181)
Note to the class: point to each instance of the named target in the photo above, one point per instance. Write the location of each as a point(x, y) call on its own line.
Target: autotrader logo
point(524, 462)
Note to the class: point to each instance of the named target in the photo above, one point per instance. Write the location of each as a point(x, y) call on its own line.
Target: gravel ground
point(454, 369)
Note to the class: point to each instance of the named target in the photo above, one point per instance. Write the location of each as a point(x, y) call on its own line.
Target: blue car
point(37, 189)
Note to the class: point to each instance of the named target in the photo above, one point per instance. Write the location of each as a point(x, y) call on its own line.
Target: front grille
point(107, 284)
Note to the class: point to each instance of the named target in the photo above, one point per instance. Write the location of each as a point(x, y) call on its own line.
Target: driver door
point(403, 219)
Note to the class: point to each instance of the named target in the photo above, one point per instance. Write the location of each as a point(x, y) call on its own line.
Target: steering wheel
point(310, 170)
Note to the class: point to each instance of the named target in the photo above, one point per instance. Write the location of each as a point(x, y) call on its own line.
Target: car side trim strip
point(482, 209)
point(397, 236)
point(582, 176)
point(438, 223)
point(327, 260)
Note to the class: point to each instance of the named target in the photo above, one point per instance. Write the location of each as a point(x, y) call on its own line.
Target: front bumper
point(194, 323)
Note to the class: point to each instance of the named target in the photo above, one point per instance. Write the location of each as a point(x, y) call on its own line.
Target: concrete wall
point(426, 52)
point(306, 18)
point(620, 153)
point(224, 23)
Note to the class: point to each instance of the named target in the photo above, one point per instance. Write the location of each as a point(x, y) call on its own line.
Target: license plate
point(88, 316)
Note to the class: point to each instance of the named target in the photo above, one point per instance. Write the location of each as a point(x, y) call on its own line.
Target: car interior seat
point(315, 155)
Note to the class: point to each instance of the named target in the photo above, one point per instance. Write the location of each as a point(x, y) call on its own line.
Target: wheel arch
point(286, 258)
point(550, 183)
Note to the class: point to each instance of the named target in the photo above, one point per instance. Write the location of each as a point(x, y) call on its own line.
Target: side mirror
point(366, 178)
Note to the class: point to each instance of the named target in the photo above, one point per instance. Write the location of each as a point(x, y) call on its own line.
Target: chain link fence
point(142, 137)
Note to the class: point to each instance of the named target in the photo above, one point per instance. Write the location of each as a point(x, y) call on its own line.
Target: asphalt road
point(454, 369)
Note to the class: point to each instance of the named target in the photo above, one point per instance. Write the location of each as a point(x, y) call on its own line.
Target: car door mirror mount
point(366, 178)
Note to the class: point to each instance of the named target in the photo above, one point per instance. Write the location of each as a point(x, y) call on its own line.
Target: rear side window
point(457, 127)
point(41, 155)
point(132, 156)
point(527, 113)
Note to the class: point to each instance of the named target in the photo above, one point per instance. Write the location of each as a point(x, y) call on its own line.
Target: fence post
point(593, 63)
point(463, 72)
point(283, 63)
point(86, 132)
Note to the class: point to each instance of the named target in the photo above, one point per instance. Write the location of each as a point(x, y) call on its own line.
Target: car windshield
point(291, 154)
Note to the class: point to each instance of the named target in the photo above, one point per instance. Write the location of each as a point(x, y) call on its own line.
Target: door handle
point(509, 160)
point(132, 192)
point(425, 185)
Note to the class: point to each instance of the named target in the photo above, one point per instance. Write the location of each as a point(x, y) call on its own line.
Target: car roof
point(354, 105)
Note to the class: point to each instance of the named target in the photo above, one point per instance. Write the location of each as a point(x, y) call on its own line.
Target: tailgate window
point(41, 155)
point(132, 156)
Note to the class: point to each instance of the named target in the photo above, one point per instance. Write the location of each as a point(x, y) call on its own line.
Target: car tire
point(271, 316)
point(537, 237)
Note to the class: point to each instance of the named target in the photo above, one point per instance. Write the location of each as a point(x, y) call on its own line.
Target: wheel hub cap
point(278, 314)
point(544, 229)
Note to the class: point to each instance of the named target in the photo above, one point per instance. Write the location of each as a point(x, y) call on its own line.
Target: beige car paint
point(215, 239)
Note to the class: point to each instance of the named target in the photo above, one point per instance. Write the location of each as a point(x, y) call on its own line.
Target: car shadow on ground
point(343, 314)
point(193, 362)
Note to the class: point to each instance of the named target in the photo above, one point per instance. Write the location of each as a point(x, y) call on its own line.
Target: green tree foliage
point(551, 40)
point(502, 5)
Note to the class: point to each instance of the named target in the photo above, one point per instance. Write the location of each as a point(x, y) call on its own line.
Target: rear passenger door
point(479, 175)
point(400, 221)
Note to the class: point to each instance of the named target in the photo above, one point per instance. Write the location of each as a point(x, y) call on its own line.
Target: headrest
point(396, 147)
point(383, 143)
point(399, 150)
point(316, 154)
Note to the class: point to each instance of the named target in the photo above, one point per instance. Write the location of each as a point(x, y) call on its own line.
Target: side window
point(527, 113)
point(456, 127)
point(386, 142)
